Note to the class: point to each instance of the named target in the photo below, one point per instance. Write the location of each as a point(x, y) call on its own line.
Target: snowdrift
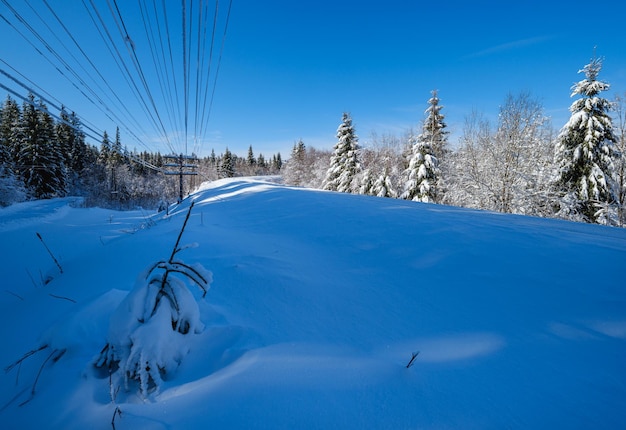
point(318, 302)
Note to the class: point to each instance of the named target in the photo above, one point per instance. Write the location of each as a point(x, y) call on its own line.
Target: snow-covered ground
point(317, 303)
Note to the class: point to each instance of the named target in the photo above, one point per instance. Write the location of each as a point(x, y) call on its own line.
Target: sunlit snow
point(317, 302)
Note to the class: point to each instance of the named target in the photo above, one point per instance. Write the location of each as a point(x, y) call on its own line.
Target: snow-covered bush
point(149, 332)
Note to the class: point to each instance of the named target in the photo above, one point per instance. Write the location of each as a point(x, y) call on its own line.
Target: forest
point(519, 165)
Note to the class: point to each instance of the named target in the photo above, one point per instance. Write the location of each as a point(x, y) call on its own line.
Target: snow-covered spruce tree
point(294, 173)
point(344, 162)
point(11, 188)
point(105, 149)
point(434, 129)
point(227, 165)
point(39, 159)
point(150, 331)
point(584, 152)
point(9, 126)
point(71, 141)
point(383, 186)
point(380, 160)
point(422, 174)
point(251, 160)
point(367, 183)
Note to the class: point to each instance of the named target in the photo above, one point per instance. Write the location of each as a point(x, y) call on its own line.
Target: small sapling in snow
point(150, 330)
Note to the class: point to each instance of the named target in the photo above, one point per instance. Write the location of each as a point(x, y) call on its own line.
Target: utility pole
point(181, 166)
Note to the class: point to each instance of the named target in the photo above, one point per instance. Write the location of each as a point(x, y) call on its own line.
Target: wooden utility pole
point(181, 166)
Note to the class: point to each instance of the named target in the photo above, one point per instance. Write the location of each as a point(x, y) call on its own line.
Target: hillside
point(317, 302)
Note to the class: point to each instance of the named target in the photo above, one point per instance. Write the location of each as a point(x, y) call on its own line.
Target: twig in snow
point(62, 297)
point(31, 278)
point(50, 252)
point(55, 355)
point(46, 280)
point(13, 294)
point(116, 412)
point(24, 357)
point(413, 357)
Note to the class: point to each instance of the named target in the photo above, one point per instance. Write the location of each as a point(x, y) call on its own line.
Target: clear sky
point(290, 68)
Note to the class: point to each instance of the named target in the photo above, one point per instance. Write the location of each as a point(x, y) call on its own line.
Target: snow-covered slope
point(317, 303)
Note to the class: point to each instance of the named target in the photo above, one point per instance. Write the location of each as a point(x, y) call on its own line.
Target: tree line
point(41, 157)
point(518, 165)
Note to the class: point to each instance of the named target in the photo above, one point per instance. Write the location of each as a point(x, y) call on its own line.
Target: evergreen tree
point(261, 162)
point(11, 188)
point(367, 183)
point(227, 165)
point(78, 148)
point(65, 135)
point(344, 162)
point(105, 150)
point(48, 137)
point(213, 158)
point(251, 160)
point(70, 145)
point(39, 157)
point(383, 186)
point(434, 129)
point(116, 150)
point(9, 127)
point(294, 170)
point(277, 162)
point(585, 150)
point(422, 174)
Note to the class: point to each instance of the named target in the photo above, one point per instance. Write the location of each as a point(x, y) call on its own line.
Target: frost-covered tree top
point(434, 129)
point(585, 148)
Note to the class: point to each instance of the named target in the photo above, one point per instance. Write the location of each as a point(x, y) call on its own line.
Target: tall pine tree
point(294, 172)
point(11, 188)
point(422, 174)
point(434, 129)
point(585, 150)
point(344, 162)
point(40, 160)
point(9, 130)
point(227, 165)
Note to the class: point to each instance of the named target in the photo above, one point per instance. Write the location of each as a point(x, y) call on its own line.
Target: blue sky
point(289, 69)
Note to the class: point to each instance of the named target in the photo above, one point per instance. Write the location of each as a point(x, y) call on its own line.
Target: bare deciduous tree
point(505, 169)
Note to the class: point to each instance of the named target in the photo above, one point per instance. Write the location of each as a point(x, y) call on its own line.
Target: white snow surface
point(318, 301)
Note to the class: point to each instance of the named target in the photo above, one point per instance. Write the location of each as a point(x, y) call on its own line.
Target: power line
point(159, 65)
point(131, 48)
point(219, 62)
point(45, 109)
point(32, 85)
point(97, 71)
point(79, 81)
point(154, 72)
